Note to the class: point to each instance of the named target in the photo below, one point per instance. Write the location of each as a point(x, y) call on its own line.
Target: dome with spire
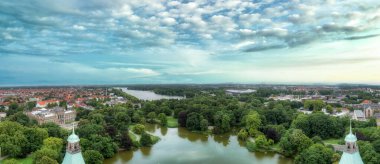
point(73, 151)
point(351, 153)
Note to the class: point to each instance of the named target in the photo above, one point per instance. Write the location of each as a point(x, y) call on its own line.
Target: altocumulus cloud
point(60, 42)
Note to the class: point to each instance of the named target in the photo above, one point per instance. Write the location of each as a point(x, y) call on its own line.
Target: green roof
point(350, 138)
point(73, 138)
point(76, 158)
point(348, 158)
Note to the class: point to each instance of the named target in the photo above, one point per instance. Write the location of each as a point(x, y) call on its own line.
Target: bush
point(93, 157)
point(138, 129)
point(145, 139)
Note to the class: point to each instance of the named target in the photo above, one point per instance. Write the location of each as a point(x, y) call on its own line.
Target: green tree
point(97, 118)
point(53, 143)
point(204, 125)
point(145, 139)
point(126, 141)
point(93, 157)
point(102, 144)
point(315, 105)
point(54, 130)
point(163, 119)
point(294, 141)
point(252, 122)
point(193, 121)
point(262, 142)
point(138, 129)
point(35, 137)
point(23, 119)
point(151, 117)
point(45, 152)
point(222, 121)
point(315, 154)
point(243, 134)
point(122, 121)
point(46, 160)
point(368, 153)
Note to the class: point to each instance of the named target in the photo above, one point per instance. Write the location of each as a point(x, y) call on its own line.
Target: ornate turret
point(351, 153)
point(73, 152)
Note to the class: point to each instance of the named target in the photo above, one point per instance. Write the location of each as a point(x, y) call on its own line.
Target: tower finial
point(73, 128)
point(350, 127)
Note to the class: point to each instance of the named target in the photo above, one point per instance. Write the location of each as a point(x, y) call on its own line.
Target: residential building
point(358, 115)
point(2, 115)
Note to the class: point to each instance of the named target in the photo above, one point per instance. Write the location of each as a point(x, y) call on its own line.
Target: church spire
point(73, 151)
point(351, 153)
point(350, 127)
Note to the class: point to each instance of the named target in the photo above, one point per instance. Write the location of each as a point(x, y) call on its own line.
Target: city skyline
point(166, 42)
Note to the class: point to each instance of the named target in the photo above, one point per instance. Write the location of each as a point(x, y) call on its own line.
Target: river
point(148, 95)
point(178, 145)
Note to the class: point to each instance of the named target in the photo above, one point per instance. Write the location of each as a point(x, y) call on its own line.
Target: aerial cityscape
point(190, 81)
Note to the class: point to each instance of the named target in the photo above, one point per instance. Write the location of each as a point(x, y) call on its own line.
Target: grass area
point(332, 141)
point(27, 160)
point(133, 136)
point(172, 122)
point(275, 147)
point(155, 139)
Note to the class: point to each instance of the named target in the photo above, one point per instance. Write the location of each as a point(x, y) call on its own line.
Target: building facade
point(56, 115)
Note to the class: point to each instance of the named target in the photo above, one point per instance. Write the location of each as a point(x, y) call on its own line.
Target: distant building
point(351, 153)
point(57, 115)
point(43, 104)
point(2, 115)
point(73, 151)
point(234, 92)
point(358, 115)
point(368, 112)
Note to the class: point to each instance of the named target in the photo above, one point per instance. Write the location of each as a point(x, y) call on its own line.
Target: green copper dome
point(73, 138)
point(350, 138)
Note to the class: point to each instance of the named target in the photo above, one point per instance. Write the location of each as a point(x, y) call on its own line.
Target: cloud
point(180, 36)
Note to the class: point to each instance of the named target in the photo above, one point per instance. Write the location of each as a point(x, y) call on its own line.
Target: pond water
point(148, 95)
point(178, 145)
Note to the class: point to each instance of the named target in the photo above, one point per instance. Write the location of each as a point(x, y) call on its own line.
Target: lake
point(178, 145)
point(148, 95)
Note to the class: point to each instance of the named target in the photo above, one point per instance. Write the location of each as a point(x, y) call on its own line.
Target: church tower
point(73, 152)
point(351, 153)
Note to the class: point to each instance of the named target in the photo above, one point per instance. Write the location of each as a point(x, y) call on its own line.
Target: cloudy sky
point(53, 42)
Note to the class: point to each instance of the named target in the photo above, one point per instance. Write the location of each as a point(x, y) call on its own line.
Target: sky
point(77, 42)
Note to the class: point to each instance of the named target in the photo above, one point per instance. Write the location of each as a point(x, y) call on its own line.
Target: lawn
point(155, 139)
point(332, 141)
point(27, 160)
point(172, 122)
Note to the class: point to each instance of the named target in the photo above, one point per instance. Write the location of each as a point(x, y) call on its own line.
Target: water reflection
point(178, 145)
point(164, 130)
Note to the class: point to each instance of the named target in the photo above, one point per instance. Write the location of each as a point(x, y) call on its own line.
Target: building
point(2, 115)
point(73, 151)
point(57, 115)
point(368, 112)
point(43, 104)
point(351, 153)
point(234, 92)
point(358, 115)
